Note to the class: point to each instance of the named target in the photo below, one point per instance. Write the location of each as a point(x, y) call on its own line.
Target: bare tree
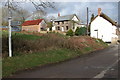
point(41, 5)
point(18, 13)
point(4, 16)
point(21, 16)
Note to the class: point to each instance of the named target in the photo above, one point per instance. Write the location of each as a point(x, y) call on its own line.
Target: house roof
point(32, 22)
point(63, 18)
point(107, 18)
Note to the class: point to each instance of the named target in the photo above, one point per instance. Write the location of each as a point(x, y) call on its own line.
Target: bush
point(81, 31)
point(70, 33)
point(77, 32)
point(49, 41)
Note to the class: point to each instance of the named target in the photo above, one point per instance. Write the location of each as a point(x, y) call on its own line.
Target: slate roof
point(107, 18)
point(63, 18)
point(32, 22)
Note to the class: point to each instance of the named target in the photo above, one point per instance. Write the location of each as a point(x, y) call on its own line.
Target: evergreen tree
point(77, 32)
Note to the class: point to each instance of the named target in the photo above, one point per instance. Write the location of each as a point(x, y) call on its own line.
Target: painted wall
point(106, 31)
point(75, 18)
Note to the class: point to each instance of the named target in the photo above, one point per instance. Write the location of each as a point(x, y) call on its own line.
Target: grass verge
point(17, 63)
point(35, 50)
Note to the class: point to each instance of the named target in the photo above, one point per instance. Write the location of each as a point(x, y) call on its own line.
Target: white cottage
point(103, 27)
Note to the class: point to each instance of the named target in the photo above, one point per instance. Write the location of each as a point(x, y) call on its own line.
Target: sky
point(79, 8)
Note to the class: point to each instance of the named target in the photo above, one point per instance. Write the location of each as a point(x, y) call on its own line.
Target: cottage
point(34, 25)
point(64, 23)
point(103, 27)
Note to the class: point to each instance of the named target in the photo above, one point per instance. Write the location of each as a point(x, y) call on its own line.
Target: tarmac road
point(95, 65)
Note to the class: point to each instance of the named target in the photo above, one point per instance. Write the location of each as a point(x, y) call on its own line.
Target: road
point(97, 64)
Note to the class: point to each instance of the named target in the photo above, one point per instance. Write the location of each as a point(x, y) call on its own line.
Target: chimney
point(58, 14)
point(99, 11)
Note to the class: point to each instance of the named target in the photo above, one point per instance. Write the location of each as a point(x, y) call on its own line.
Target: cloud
point(79, 8)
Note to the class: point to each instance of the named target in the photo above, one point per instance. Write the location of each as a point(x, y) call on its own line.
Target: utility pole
point(9, 25)
point(87, 20)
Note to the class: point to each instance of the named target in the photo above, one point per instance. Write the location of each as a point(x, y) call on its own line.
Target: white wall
point(106, 31)
point(75, 18)
point(53, 27)
point(43, 24)
point(79, 25)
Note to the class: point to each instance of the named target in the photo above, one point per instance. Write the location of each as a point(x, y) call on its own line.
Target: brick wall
point(32, 28)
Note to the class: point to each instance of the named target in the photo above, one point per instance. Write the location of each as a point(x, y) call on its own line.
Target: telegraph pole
point(87, 20)
point(9, 25)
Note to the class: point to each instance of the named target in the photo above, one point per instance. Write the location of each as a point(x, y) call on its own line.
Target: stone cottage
point(64, 23)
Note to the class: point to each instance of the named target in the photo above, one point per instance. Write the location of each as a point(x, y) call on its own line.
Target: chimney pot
point(58, 14)
point(99, 11)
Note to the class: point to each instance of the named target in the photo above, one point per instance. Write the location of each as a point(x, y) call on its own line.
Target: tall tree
point(92, 18)
point(18, 13)
point(22, 15)
point(18, 16)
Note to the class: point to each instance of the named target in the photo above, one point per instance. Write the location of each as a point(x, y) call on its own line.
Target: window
point(66, 27)
point(58, 28)
point(63, 22)
point(58, 23)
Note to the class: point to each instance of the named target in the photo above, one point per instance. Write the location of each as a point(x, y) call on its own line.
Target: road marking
point(101, 75)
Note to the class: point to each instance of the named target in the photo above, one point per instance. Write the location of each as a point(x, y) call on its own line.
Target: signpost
point(10, 49)
point(9, 25)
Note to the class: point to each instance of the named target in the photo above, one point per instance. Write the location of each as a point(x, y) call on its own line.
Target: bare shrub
point(49, 41)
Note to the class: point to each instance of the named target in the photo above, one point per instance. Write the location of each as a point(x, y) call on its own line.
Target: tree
point(49, 25)
point(22, 15)
point(18, 13)
point(70, 33)
point(77, 32)
point(92, 18)
point(81, 31)
point(4, 16)
point(16, 16)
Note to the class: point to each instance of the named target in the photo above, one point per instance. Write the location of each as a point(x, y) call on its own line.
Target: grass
point(20, 35)
point(26, 36)
point(0, 67)
point(31, 50)
point(16, 63)
point(87, 49)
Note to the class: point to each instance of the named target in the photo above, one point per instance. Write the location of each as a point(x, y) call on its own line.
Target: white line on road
point(101, 75)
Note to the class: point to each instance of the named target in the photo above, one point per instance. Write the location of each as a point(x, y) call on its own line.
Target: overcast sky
point(79, 8)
